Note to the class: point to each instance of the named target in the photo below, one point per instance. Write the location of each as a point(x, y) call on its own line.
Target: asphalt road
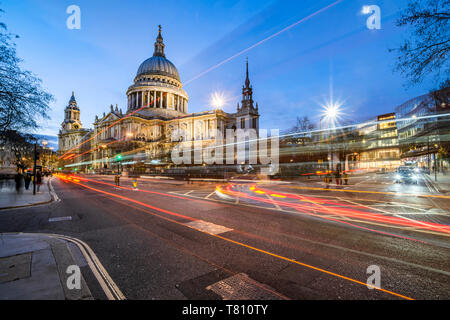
point(172, 240)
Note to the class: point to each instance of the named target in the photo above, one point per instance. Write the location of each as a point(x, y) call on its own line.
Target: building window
point(254, 123)
point(243, 123)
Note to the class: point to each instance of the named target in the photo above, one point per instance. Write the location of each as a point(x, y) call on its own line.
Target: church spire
point(247, 80)
point(247, 92)
point(159, 45)
point(73, 101)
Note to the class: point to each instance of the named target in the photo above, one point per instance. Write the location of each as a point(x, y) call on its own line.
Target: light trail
point(114, 123)
point(372, 192)
point(234, 241)
point(338, 208)
point(363, 215)
point(94, 149)
point(262, 41)
point(279, 136)
point(316, 207)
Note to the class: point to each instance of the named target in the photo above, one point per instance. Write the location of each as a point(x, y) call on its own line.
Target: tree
point(427, 51)
point(21, 146)
point(22, 100)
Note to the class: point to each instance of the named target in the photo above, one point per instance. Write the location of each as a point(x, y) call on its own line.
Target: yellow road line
point(312, 267)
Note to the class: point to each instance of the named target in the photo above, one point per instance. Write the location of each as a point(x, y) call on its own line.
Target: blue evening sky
point(290, 73)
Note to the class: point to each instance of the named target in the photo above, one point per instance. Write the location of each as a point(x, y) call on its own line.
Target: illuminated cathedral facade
point(141, 136)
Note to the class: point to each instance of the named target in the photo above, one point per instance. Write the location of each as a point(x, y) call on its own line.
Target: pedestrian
point(118, 180)
point(135, 184)
point(346, 177)
point(27, 179)
point(38, 180)
point(337, 176)
point(328, 179)
point(18, 180)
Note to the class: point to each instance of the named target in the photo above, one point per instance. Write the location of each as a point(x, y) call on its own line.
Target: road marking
point(208, 227)
point(189, 192)
point(273, 202)
point(52, 191)
point(60, 219)
point(209, 195)
point(243, 244)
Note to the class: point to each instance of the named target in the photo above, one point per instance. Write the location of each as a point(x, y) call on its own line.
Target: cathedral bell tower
point(71, 116)
point(247, 114)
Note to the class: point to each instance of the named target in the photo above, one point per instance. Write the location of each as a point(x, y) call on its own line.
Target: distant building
point(379, 148)
point(423, 134)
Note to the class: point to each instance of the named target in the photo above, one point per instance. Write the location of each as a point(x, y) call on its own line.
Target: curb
point(109, 287)
point(53, 196)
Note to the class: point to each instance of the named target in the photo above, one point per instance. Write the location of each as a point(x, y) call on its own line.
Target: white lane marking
point(189, 192)
point(52, 191)
point(207, 227)
point(60, 219)
point(273, 202)
point(209, 195)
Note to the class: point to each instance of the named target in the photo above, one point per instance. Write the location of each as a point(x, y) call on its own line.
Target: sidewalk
point(443, 182)
point(33, 267)
point(9, 198)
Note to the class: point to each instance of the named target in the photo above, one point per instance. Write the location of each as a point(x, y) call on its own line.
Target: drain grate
point(242, 287)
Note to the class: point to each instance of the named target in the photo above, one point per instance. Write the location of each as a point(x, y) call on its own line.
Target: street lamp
point(331, 112)
point(218, 100)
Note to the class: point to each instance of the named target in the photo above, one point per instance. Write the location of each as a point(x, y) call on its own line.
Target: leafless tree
point(427, 50)
point(22, 99)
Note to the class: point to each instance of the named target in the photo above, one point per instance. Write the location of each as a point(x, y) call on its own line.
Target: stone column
point(148, 98)
point(161, 99)
point(154, 99)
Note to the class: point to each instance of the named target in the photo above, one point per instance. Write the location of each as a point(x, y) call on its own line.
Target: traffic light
point(36, 155)
point(119, 157)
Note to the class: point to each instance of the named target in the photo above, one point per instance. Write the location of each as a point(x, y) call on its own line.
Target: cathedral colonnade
point(157, 99)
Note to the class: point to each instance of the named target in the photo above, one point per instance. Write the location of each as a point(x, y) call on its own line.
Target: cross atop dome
point(159, 45)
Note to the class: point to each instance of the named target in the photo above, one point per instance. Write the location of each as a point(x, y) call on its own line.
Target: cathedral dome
point(158, 65)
